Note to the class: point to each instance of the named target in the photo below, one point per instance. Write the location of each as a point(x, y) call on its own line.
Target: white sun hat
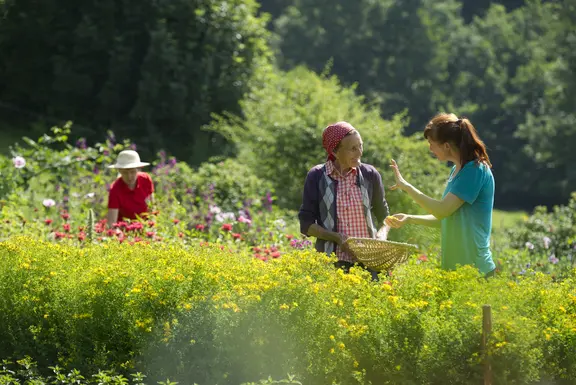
point(128, 159)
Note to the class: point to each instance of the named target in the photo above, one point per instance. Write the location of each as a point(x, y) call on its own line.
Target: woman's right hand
point(344, 244)
point(396, 221)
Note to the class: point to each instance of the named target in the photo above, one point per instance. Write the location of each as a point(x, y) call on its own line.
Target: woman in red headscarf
point(342, 197)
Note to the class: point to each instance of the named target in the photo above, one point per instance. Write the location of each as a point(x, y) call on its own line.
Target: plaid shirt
point(349, 208)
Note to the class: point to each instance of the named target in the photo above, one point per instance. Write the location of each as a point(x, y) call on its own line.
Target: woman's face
point(129, 175)
point(440, 150)
point(350, 151)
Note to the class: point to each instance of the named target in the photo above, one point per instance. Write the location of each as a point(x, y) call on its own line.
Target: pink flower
point(243, 219)
point(200, 227)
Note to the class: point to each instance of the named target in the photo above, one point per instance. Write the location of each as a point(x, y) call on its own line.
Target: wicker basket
point(379, 254)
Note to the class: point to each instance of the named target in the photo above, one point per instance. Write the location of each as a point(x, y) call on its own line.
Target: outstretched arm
point(438, 208)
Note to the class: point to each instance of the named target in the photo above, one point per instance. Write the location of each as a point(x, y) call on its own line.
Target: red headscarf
point(333, 134)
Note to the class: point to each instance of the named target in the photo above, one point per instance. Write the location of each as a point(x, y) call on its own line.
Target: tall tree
point(153, 71)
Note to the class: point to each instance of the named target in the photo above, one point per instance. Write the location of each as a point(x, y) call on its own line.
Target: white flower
point(280, 223)
point(49, 202)
point(89, 195)
point(529, 245)
point(19, 162)
point(215, 209)
point(547, 242)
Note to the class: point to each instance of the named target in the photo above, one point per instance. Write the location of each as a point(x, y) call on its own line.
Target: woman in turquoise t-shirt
point(464, 213)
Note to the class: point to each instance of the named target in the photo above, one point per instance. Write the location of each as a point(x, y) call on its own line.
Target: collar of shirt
point(334, 173)
point(125, 185)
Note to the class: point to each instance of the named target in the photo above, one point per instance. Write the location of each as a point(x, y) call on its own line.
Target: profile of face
point(349, 151)
point(129, 175)
point(442, 151)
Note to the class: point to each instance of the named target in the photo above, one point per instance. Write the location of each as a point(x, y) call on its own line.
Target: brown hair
point(461, 133)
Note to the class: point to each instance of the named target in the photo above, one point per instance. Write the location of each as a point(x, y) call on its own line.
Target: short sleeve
point(113, 198)
point(468, 182)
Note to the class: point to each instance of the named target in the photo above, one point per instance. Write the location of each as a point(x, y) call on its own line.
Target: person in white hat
point(132, 191)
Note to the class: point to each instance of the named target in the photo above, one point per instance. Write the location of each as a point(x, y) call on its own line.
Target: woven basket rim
point(384, 241)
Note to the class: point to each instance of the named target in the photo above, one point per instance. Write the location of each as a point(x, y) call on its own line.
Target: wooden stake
point(486, 330)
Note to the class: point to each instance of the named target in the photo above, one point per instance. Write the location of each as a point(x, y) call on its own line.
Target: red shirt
point(349, 208)
point(131, 202)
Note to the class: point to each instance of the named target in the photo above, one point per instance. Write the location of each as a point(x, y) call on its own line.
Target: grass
point(506, 219)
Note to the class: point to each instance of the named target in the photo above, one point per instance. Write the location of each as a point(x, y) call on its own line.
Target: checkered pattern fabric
point(350, 207)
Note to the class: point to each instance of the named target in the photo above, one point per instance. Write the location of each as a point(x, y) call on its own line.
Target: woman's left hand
point(400, 182)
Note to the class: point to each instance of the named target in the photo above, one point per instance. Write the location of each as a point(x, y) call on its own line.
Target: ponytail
point(471, 146)
point(461, 133)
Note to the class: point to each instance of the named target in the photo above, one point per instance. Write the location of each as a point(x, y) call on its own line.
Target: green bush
point(211, 316)
point(280, 134)
point(546, 241)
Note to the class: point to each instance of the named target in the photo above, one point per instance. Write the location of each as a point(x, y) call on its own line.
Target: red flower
point(59, 235)
point(176, 221)
point(66, 227)
point(226, 227)
point(81, 236)
point(200, 227)
point(181, 235)
point(423, 258)
point(135, 226)
point(110, 232)
point(150, 234)
point(151, 223)
point(65, 216)
point(48, 221)
point(275, 254)
point(273, 248)
point(236, 236)
point(256, 249)
point(289, 236)
point(137, 239)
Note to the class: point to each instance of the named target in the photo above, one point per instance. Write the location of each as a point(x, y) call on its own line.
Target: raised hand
point(400, 182)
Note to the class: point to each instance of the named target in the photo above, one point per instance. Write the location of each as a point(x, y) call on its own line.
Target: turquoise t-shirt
point(466, 233)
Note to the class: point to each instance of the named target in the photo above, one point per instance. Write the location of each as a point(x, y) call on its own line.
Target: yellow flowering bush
point(206, 315)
